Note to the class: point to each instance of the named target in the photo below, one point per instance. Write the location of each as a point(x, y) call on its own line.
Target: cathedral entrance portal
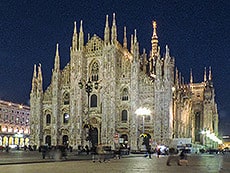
point(93, 136)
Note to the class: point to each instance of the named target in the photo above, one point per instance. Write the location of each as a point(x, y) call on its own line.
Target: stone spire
point(177, 78)
point(125, 38)
point(167, 51)
point(34, 80)
point(191, 77)
point(144, 61)
point(88, 36)
point(107, 30)
point(135, 36)
point(39, 79)
point(81, 37)
point(57, 60)
point(131, 47)
point(114, 30)
point(205, 75)
point(74, 39)
point(180, 79)
point(210, 74)
point(154, 40)
point(159, 69)
point(136, 46)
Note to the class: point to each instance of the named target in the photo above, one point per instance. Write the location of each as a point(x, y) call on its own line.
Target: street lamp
point(143, 112)
point(88, 86)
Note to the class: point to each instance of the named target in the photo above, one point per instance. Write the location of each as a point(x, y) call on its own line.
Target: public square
point(32, 162)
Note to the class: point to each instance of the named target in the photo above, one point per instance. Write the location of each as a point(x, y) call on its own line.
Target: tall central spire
point(154, 40)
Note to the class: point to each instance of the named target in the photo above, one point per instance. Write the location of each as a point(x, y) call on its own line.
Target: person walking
point(171, 156)
point(182, 158)
point(149, 151)
point(93, 153)
point(158, 151)
point(87, 149)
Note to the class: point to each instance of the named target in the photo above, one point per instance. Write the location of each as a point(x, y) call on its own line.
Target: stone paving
point(32, 162)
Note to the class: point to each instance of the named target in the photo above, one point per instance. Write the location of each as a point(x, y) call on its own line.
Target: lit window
point(65, 118)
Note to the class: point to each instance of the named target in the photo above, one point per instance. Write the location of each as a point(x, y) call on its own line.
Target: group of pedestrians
point(179, 158)
point(103, 153)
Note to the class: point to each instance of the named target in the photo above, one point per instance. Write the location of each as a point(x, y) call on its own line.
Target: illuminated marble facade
point(127, 81)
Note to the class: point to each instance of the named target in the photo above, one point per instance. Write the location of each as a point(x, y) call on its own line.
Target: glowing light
point(211, 136)
point(4, 129)
point(26, 131)
point(142, 111)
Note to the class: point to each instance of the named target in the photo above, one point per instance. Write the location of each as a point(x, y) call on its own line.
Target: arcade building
point(14, 124)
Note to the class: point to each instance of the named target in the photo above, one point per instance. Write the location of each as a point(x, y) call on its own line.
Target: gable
point(94, 46)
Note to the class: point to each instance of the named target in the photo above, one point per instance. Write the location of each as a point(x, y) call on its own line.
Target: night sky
point(196, 31)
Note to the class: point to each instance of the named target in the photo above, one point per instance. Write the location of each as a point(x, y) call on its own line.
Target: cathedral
point(102, 94)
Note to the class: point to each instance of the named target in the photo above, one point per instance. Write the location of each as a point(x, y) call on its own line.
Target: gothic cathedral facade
point(95, 98)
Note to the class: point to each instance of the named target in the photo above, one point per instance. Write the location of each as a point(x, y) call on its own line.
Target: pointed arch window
point(93, 101)
point(66, 98)
point(48, 119)
point(125, 94)
point(94, 71)
point(124, 116)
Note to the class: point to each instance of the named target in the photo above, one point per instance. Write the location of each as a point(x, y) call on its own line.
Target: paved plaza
point(32, 162)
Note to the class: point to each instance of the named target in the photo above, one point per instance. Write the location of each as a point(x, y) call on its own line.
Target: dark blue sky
point(197, 32)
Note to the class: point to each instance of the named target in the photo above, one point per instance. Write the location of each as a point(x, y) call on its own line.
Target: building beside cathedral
point(97, 97)
point(14, 124)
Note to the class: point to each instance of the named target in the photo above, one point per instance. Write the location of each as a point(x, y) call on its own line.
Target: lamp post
point(143, 112)
point(88, 86)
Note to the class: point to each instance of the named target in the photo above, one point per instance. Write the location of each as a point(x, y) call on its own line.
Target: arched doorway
point(93, 136)
point(65, 140)
point(48, 140)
